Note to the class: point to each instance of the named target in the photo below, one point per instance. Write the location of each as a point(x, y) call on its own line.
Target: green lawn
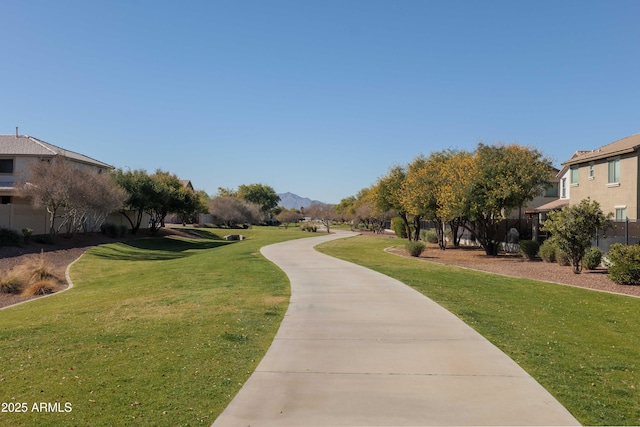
point(155, 332)
point(583, 346)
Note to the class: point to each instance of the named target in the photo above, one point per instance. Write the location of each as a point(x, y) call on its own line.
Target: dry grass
point(32, 278)
point(37, 269)
point(10, 283)
point(41, 287)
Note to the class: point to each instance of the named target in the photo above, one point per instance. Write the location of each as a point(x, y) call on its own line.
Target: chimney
point(16, 131)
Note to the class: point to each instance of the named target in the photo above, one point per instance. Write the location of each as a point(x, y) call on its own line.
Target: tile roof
point(621, 146)
point(25, 145)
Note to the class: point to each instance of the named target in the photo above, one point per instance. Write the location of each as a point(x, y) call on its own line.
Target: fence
point(625, 232)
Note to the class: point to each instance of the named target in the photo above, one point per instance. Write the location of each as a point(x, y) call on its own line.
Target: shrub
point(547, 251)
point(36, 270)
point(415, 248)
point(40, 287)
point(592, 258)
point(309, 226)
point(429, 236)
point(529, 248)
point(9, 237)
point(399, 228)
point(562, 258)
point(10, 283)
point(113, 230)
point(624, 264)
point(26, 234)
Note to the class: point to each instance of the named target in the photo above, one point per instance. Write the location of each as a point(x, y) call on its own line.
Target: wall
point(609, 196)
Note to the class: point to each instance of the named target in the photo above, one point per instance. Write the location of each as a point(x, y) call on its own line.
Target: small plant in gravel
point(624, 264)
point(41, 287)
point(547, 251)
point(592, 258)
point(414, 248)
point(37, 269)
point(10, 283)
point(529, 248)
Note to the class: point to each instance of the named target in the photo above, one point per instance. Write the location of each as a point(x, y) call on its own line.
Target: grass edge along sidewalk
point(155, 332)
point(581, 345)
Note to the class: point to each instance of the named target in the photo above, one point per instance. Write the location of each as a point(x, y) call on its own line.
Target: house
point(17, 153)
point(608, 175)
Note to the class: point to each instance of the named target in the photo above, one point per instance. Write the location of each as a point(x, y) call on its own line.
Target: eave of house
point(623, 146)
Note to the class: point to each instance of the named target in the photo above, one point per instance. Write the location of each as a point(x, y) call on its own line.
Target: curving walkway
point(357, 348)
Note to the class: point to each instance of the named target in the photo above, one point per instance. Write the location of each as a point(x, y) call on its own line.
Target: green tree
point(573, 227)
point(260, 194)
point(164, 197)
point(138, 186)
point(505, 177)
point(190, 203)
point(389, 195)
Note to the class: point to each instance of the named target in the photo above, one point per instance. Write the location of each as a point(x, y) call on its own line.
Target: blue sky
point(319, 98)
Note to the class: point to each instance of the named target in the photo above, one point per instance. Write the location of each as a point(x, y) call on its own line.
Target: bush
point(529, 248)
point(399, 228)
point(9, 237)
point(26, 234)
point(41, 287)
point(10, 284)
point(562, 258)
point(624, 264)
point(429, 236)
point(309, 226)
point(592, 258)
point(36, 270)
point(547, 251)
point(415, 248)
point(113, 230)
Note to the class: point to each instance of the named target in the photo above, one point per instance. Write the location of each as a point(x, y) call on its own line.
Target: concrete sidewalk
point(357, 348)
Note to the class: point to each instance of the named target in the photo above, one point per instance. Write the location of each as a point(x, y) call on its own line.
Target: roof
point(25, 145)
point(551, 206)
point(621, 146)
point(186, 183)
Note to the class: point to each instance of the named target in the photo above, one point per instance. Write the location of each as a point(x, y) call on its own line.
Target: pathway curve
point(357, 348)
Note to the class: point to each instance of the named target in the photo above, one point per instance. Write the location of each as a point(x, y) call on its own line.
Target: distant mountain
point(290, 200)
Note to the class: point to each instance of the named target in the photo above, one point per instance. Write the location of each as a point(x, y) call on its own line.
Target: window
point(614, 171)
point(592, 170)
point(574, 174)
point(621, 214)
point(552, 191)
point(6, 165)
point(5, 200)
point(564, 188)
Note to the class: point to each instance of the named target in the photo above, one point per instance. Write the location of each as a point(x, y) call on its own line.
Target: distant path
point(357, 348)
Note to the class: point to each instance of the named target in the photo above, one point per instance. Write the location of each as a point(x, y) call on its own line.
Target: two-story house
point(609, 175)
point(17, 153)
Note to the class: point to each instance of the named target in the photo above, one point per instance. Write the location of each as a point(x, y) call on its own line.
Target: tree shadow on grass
point(155, 249)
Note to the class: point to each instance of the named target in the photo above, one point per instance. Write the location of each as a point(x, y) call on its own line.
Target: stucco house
point(17, 153)
point(608, 175)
